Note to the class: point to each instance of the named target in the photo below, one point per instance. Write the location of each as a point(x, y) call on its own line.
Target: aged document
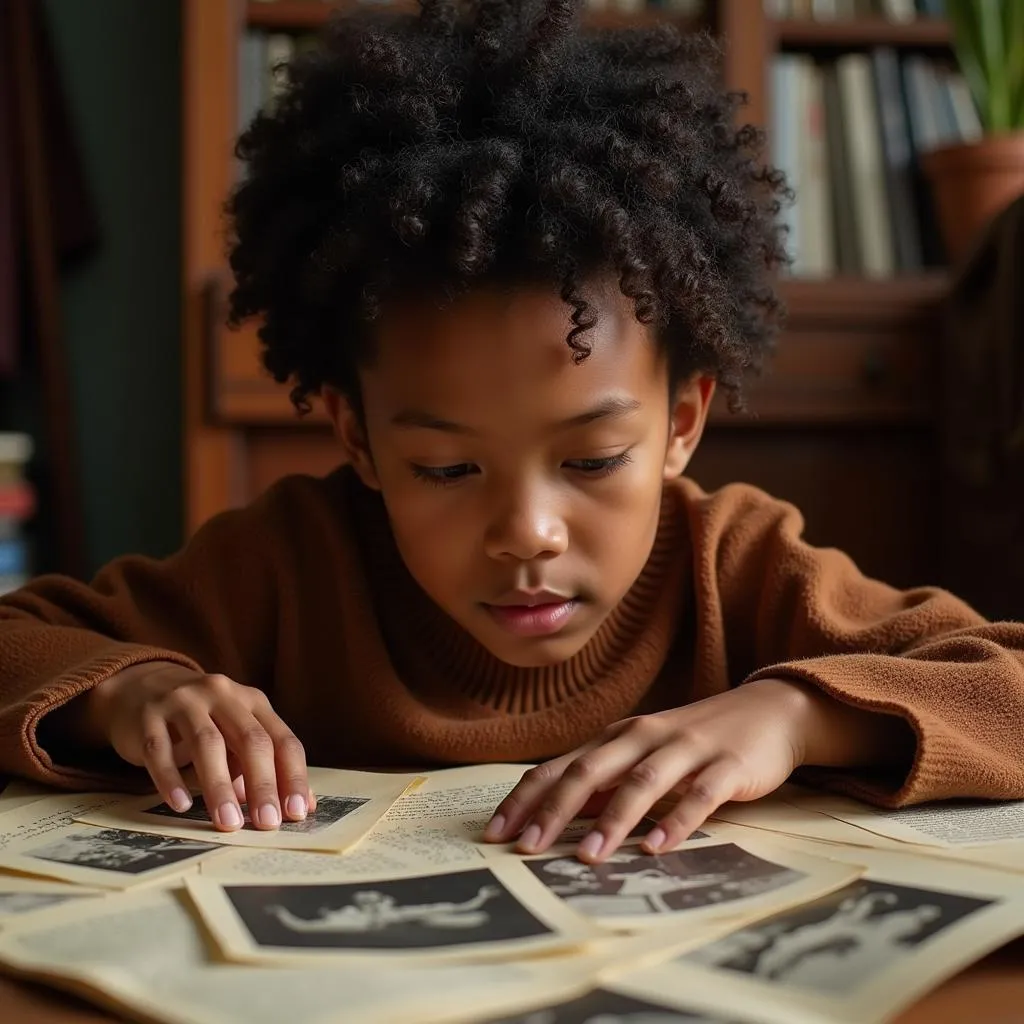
point(17, 794)
point(952, 824)
point(807, 817)
point(730, 874)
point(143, 953)
point(349, 804)
point(42, 838)
point(857, 955)
point(496, 911)
point(20, 896)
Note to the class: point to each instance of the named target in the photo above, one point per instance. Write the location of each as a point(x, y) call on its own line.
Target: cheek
point(431, 535)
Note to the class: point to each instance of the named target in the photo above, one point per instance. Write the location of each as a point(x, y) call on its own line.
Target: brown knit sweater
point(304, 595)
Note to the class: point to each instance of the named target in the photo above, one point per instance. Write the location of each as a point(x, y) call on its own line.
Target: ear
point(350, 431)
point(690, 408)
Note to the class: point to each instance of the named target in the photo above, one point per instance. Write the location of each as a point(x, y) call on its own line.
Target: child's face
point(523, 490)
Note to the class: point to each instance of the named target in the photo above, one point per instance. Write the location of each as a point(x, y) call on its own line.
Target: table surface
point(989, 992)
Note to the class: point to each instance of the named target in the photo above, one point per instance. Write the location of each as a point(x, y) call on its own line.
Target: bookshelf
point(846, 411)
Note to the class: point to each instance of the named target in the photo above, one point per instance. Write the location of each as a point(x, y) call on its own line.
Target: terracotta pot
point(971, 183)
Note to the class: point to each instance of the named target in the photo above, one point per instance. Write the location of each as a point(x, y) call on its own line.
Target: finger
point(639, 789)
point(510, 815)
point(710, 787)
point(251, 744)
point(564, 799)
point(210, 761)
point(159, 760)
point(290, 764)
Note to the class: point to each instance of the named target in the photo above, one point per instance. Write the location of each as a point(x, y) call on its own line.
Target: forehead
point(504, 353)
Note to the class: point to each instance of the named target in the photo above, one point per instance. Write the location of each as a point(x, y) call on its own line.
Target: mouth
point(533, 614)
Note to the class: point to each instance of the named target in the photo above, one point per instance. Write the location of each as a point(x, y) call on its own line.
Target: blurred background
point(115, 68)
point(893, 413)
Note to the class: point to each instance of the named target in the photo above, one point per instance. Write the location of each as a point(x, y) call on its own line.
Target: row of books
point(849, 134)
point(837, 10)
point(17, 503)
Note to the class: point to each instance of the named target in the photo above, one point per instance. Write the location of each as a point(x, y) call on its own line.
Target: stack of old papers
point(384, 906)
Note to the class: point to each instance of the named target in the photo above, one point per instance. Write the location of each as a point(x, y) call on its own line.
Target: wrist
point(90, 715)
point(829, 733)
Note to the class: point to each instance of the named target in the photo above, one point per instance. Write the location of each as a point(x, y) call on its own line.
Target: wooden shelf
point(858, 32)
point(845, 302)
point(297, 15)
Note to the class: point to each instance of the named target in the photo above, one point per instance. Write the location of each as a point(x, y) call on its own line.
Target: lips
point(529, 599)
point(533, 613)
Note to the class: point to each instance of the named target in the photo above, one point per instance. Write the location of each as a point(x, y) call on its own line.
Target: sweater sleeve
point(210, 607)
point(785, 609)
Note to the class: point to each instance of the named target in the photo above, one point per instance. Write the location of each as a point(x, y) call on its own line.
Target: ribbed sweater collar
point(447, 668)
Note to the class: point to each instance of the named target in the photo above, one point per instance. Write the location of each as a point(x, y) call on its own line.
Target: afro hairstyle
point(502, 143)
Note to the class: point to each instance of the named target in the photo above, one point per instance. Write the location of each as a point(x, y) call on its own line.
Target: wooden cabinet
point(842, 424)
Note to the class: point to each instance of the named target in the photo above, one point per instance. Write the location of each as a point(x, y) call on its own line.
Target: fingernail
point(268, 817)
point(229, 816)
point(530, 838)
point(655, 839)
point(296, 807)
point(495, 828)
point(180, 800)
point(590, 845)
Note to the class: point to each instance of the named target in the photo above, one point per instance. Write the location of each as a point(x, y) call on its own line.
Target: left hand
point(737, 745)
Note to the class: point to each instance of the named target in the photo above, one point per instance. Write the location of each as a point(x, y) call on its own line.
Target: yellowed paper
point(349, 804)
point(805, 817)
point(144, 953)
point(734, 874)
point(857, 955)
point(497, 911)
point(22, 896)
point(956, 824)
point(43, 839)
point(18, 793)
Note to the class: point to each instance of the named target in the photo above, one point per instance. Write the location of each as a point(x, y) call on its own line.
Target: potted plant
point(972, 182)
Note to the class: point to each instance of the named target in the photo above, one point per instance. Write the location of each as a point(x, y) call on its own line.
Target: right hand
point(162, 717)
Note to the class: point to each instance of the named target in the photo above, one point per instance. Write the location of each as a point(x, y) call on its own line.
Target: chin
point(541, 652)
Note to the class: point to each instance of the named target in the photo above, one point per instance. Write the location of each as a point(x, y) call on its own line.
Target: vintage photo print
point(399, 914)
point(839, 943)
point(604, 1007)
point(631, 883)
point(118, 850)
point(329, 811)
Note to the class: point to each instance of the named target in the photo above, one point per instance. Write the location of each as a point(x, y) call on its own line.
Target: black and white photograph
point(408, 913)
point(115, 849)
point(603, 1007)
point(840, 942)
point(329, 811)
point(12, 903)
point(635, 883)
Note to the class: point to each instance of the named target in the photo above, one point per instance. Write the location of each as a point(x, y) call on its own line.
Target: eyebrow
point(612, 407)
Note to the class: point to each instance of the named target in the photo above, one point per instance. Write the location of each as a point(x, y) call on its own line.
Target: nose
point(526, 524)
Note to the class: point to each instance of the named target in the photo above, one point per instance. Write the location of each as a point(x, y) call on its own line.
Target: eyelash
point(446, 476)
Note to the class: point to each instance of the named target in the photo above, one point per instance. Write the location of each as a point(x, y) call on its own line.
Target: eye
point(442, 476)
point(601, 467)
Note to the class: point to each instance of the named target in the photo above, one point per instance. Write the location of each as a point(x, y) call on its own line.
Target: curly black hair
point(499, 142)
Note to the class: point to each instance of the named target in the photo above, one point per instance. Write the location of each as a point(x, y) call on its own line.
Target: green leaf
point(988, 39)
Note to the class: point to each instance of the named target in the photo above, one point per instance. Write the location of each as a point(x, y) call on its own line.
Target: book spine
point(865, 155)
point(897, 158)
point(817, 243)
point(784, 147)
point(844, 227)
